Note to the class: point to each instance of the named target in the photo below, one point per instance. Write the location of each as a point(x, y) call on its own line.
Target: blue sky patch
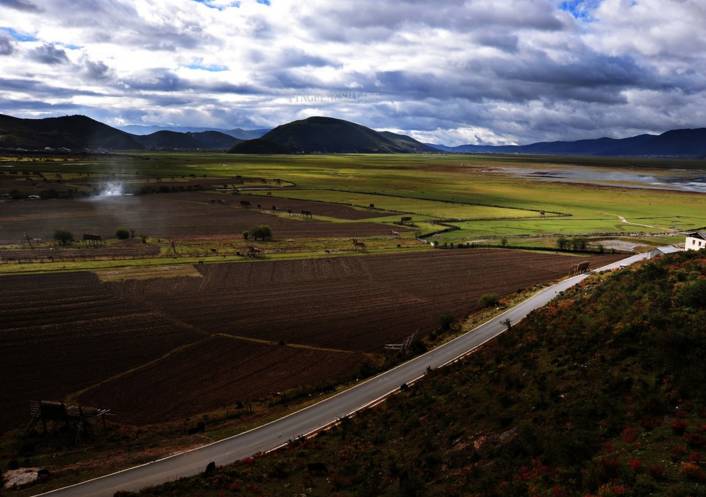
point(580, 9)
point(207, 67)
point(212, 5)
point(17, 35)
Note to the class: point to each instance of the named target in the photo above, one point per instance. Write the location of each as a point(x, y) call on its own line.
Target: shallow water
point(681, 180)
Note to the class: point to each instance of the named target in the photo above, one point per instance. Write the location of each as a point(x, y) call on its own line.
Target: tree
point(489, 300)
point(694, 295)
point(262, 232)
point(562, 243)
point(503, 242)
point(63, 237)
point(579, 243)
point(445, 321)
point(122, 234)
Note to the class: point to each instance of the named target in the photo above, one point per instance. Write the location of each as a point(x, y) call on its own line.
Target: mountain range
point(327, 135)
point(314, 135)
point(80, 133)
point(675, 143)
point(240, 133)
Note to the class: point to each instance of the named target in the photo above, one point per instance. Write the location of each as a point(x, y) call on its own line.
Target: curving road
point(313, 418)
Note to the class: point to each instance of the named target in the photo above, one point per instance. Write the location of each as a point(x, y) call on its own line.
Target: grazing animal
point(358, 245)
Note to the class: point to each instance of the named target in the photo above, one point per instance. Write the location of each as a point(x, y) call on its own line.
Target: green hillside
point(328, 135)
point(599, 394)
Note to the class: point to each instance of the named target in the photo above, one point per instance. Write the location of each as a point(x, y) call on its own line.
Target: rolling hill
point(81, 133)
point(328, 135)
point(675, 143)
point(240, 133)
point(172, 140)
point(73, 132)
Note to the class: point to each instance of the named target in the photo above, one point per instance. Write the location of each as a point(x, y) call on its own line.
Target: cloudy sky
point(445, 71)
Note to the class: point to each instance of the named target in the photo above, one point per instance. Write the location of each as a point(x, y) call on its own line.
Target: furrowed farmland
point(180, 216)
point(156, 349)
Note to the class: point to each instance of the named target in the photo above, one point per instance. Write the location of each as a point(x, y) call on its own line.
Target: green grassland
point(470, 188)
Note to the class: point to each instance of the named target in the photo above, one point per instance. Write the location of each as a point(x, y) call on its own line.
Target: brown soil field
point(339, 211)
point(127, 248)
point(168, 215)
point(61, 332)
point(216, 373)
point(356, 303)
point(149, 348)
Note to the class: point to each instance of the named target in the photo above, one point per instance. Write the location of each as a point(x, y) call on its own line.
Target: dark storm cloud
point(49, 54)
point(25, 5)
point(379, 20)
point(6, 45)
point(163, 80)
point(96, 69)
point(40, 89)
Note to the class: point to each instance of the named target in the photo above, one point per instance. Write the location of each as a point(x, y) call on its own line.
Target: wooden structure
point(404, 346)
point(254, 252)
point(92, 240)
point(580, 268)
point(77, 419)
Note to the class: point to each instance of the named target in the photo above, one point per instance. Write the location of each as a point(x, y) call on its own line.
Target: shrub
point(262, 232)
point(489, 300)
point(122, 234)
point(694, 295)
point(63, 237)
point(445, 321)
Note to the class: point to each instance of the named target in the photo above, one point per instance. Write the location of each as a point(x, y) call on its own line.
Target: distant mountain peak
point(321, 134)
point(673, 143)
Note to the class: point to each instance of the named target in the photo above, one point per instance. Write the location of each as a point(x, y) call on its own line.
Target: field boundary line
point(274, 343)
point(75, 395)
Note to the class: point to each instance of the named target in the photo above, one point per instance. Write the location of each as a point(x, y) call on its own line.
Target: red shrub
point(693, 472)
point(678, 451)
point(629, 435)
point(695, 440)
point(679, 426)
point(656, 471)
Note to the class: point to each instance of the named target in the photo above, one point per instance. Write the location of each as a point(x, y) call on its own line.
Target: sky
point(443, 71)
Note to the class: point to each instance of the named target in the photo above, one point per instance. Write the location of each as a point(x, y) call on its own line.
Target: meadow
point(479, 195)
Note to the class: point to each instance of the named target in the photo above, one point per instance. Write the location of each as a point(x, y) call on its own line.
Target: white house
point(696, 240)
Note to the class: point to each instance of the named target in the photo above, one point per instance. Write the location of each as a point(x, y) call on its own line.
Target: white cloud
point(480, 71)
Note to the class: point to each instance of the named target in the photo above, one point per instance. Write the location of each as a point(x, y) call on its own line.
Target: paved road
point(313, 418)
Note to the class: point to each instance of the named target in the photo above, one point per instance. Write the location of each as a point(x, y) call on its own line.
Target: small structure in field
point(580, 268)
point(695, 240)
point(76, 418)
point(92, 240)
point(254, 252)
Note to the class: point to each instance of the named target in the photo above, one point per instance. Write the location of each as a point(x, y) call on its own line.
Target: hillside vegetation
point(600, 393)
point(328, 135)
point(80, 133)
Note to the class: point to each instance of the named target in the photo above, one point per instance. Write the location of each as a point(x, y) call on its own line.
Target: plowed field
point(151, 349)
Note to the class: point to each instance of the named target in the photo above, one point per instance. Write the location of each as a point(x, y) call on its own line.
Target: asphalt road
point(322, 414)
